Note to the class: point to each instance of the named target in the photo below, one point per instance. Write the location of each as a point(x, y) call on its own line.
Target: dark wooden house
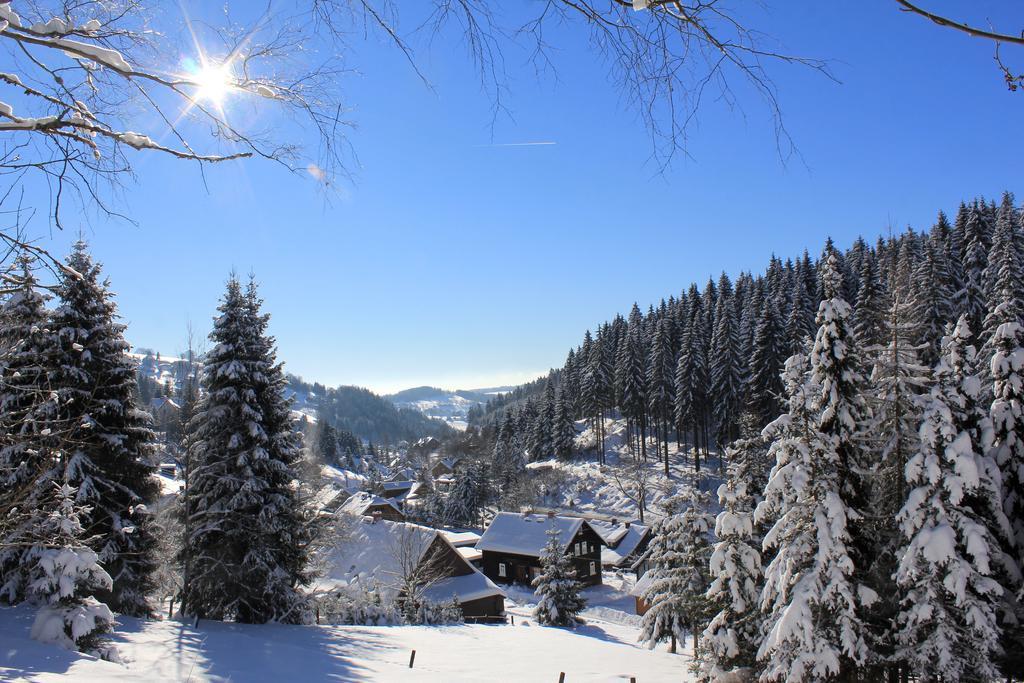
point(625, 543)
point(512, 546)
point(367, 504)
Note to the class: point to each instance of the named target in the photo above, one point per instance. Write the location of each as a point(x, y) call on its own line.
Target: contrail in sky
point(518, 144)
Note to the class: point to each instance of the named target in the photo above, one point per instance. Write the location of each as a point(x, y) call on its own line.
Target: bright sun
point(214, 83)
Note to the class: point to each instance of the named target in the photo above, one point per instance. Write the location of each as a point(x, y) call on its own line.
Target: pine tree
point(931, 304)
point(559, 601)
point(947, 621)
point(27, 423)
point(661, 383)
point(976, 244)
point(764, 387)
point(246, 546)
point(726, 372)
point(869, 313)
point(629, 377)
point(64, 574)
point(813, 598)
point(1007, 415)
point(679, 560)
point(733, 636)
point(563, 438)
point(111, 437)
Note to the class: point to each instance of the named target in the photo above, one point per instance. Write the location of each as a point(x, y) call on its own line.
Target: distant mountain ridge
point(449, 406)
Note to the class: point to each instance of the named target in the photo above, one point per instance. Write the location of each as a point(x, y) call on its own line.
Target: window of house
point(577, 548)
point(593, 568)
point(501, 570)
point(583, 545)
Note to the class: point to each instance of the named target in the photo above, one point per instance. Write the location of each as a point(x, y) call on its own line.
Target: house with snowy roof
point(379, 556)
point(400, 492)
point(512, 546)
point(366, 504)
point(444, 467)
point(624, 543)
point(164, 410)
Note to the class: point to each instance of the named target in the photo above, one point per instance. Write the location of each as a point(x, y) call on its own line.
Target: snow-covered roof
point(370, 556)
point(523, 534)
point(400, 490)
point(359, 502)
point(159, 401)
point(610, 533)
point(470, 553)
point(627, 545)
point(642, 585)
point(461, 538)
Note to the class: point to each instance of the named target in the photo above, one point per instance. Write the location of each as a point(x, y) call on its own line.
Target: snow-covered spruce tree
point(732, 638)
point(950, 597)
point(680, 554)
point(767, 356)
point(27, 425)
point(931, 303)
point(897, 382)
point(63, 576)
point(726, 371)
point(245, 550)
point(1007, 414)
point(563, 437)
point(661, 383)
point(813, 599)
point(109, 437)
point(558, 592)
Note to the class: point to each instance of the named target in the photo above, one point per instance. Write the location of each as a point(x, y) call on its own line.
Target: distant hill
point(451, 407)
point(363, 412)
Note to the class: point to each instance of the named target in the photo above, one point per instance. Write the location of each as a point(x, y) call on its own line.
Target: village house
point(378, 555)
point(164, 410)
point(366, 504)
point(465, 542)
point(512, 546)
point(624, 543)
point(444, 467)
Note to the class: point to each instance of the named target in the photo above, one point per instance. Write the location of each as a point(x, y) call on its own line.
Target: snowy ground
point(583, 486)
point(604, 649)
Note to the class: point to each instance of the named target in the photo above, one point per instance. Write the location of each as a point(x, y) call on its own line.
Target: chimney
point(615, 521)
point(551, 514)
point(627, 525)
point(377, 515)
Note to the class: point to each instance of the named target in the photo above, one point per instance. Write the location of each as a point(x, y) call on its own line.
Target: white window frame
point(593, 567)
point(577, 548)
point(583, 546)
point(502, 570)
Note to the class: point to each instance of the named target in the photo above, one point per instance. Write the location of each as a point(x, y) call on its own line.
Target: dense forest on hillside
point(365, 414)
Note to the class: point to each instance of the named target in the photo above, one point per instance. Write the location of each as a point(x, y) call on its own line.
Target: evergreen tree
point(27, 423)
point(976, 244)
point(764, 386)
point(246, 547)
point(679, 560)
point(629, 377)
point(111, 437)
point(726, 372)
point(869, 314)
point(931, 304)
point(813, 598)
point(947, 620)
point(733, 636)
point(559, 601)
point(563, 438)
point(64, 574)
point(661, 383)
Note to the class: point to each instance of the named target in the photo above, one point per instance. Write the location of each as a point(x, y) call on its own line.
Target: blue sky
point(451, 262)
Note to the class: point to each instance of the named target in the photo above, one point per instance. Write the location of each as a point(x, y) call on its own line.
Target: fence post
point(561, 677)
point(412, 658)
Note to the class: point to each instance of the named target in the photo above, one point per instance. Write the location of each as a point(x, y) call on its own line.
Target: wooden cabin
point(512, 546)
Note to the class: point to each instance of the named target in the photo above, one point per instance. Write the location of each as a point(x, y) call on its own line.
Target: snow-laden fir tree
point(559, 600)
point(949, 594)
point(678, 563)
point(27, 423)
point(726, 372)
point(630, 376)
point(110, 437)
point(661, 383)
point(931, 305)
point(245, 551)
point(1007, 415)
point(767, 356)
point(976, 241)
point(563, 437)
point(731, 640)
point(897, 382)
point(63, 577)
point(812, 598)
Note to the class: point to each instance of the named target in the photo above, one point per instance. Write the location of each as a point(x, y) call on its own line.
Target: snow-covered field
point(604, 649)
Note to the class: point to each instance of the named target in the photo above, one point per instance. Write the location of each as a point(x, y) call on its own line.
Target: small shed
point(512, 546)
point(639, 589)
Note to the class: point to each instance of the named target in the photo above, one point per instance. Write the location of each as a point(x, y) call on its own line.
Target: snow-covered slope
point(172, 651)
point(450, 406)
